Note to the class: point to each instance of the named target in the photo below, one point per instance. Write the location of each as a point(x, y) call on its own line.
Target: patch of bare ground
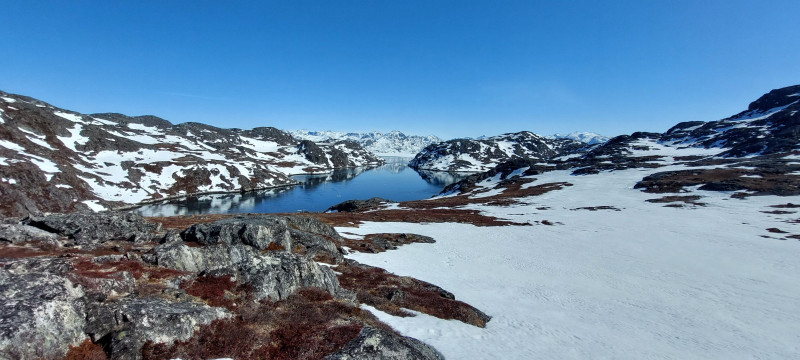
point(786, 206)
point(767, 182)
point(596, 208)
point(375, 243)
point(674, 200)
point(310, 324)
point(776, 231)
point(412, 216)
point(445, 209)
point(778, 212)
point(392, 293)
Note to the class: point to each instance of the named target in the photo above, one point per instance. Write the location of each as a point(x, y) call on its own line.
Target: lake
point(394, 180)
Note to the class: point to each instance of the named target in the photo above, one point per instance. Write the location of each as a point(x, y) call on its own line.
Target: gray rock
point(257, 232)
point(94, 228)
point(373, 343)
point(274, 275)
point(279, 274)
point(124, 326)
point(20, 233)
point(42, 315)
point(358, 205)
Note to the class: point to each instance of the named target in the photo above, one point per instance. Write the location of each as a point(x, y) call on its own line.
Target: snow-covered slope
point(393, 143)
point(589, 138)
point(473, 155)
point(770, 124)
point(53, 159)
point(608, 268)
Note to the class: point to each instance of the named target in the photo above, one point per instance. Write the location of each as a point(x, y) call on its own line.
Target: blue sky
point(449, 68)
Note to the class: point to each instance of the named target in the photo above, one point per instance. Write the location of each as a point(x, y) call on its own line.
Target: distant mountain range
point(584, 137)
point(770, 125)
point(393, 143)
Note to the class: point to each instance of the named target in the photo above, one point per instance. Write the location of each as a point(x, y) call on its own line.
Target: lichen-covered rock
point(20, 233)
point(124, 326)
point(94, 228)
point(42, 314)
point(274, 275)
point(373, 343)
point(258, 232)
point(279, 274)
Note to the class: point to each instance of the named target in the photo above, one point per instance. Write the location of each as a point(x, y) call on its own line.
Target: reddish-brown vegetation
point(217, 291)
point(391, 293)
point(310, 324)
point(375, 243)
point(85, 351)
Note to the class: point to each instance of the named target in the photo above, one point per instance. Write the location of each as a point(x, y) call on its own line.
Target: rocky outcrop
point(93, 228)
point(56, 160)
point(373, 343)
point(255, 250)
point(770, 125)
point(124, 326)
point(359, 205)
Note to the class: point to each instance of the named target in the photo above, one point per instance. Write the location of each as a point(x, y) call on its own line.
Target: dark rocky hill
point(473, 155)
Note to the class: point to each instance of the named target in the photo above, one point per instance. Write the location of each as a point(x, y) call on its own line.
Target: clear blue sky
point(450, 68)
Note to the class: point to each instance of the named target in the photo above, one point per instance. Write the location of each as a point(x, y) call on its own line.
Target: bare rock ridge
point(56, 160)
point(247, 287)
point(770, 125)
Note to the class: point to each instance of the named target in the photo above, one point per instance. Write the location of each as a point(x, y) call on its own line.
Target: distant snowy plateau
point(393, 143)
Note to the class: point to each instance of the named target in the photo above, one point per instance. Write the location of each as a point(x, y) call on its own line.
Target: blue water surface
point(395, 181)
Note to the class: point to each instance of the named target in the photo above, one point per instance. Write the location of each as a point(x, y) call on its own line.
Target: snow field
point(646, 282)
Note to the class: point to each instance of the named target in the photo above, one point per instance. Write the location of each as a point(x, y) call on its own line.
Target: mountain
point(582, 136)
point(770, 125)
point(473, 155)
point(52, 159)
point(393, 143)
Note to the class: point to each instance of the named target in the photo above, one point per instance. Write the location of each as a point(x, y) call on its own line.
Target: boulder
point(95, 228)
point(20, 233)
point(373, 343)
point(123, 326)
point(258, 232)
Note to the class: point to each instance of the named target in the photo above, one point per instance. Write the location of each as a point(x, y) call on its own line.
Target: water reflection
point(394, 180)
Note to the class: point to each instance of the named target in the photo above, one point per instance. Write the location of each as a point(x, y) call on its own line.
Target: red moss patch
point(86, 351)
point(391, 293)
point(308, 325)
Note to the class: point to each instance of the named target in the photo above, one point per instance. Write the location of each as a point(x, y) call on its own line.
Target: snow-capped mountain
point(393, 143)
point(53, 159)
point(770, 124)
point(582, 136)
point(473, 155)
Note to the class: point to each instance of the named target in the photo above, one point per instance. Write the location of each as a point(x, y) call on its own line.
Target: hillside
point(52, 159)
point(474, 155)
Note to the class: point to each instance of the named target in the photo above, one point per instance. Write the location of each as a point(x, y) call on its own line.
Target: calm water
point(394, 181)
